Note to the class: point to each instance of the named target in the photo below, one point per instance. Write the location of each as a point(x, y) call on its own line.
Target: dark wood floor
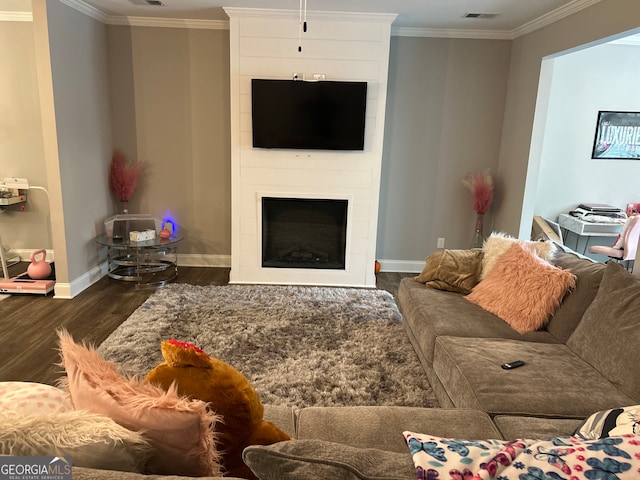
point(28, 323)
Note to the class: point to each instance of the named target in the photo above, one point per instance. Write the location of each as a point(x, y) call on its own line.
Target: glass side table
point(148, 263)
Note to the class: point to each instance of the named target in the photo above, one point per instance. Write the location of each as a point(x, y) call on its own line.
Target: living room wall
point(21, 147)
point(412, 213)
point(170, 109)
point(74, 97)
point(444, 119)
point(519, 164)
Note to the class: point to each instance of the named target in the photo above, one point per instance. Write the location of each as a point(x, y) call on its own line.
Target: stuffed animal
point(228, 392)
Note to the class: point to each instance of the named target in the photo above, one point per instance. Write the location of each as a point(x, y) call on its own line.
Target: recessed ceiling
point(494, 15)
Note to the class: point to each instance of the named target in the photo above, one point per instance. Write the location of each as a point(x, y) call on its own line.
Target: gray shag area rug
point(299, 346)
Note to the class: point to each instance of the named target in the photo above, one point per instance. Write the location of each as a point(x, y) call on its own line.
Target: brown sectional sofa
point(583, 361)
point(335, 442)
point(573, 365)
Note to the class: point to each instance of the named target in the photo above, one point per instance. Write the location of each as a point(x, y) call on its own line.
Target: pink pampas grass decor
point(480, 184)
point(123, 178)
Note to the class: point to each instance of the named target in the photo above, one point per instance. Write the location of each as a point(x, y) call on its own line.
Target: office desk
point(587, 229)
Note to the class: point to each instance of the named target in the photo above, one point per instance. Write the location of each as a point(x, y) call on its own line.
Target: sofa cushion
point(609, 423)
point(452, 270)
point(180, 431)
point(554, 382)
point(555, 458)
point(297, 459)
point(588, 276)
point(607, 334)
point(430, 313)
point(370, 426)
point(536, 289)
point(514, 426)
point(92, 440)
point(282, 417)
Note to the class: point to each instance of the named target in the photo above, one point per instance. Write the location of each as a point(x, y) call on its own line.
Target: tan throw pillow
point(452, 270)
point(179, 430)
point(498, 243)
point(522, 289)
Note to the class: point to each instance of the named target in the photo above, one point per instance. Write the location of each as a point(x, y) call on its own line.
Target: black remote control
point(512, 365)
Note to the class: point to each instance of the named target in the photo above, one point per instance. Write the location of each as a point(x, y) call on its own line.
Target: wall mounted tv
point(325, 115)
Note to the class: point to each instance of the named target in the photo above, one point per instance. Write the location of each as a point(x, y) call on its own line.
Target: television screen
point(325, 115)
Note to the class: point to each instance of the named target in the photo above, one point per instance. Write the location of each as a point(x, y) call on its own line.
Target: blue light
point(169, 223)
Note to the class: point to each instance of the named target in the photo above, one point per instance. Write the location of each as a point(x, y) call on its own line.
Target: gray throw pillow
point(296, 459)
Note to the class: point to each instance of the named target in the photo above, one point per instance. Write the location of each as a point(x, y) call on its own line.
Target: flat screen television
point(326, 115)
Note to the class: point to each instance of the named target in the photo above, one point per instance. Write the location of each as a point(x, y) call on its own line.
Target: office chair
point(625, 247)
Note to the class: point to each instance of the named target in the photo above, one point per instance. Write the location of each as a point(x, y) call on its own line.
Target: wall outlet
point(440, 242)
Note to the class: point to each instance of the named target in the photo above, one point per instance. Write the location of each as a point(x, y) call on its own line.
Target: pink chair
point(624, 250)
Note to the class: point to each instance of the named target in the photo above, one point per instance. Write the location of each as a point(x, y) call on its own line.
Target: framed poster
point(617, 136)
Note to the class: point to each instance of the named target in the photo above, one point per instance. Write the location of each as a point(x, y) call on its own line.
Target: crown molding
point(168, 22)
point(316, 14)
point(529, 27)
point(553, 16)
point(87, 9)
point(16, 17)
point(451, 33)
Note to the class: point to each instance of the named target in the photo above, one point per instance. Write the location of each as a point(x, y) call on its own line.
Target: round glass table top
point(126, 243)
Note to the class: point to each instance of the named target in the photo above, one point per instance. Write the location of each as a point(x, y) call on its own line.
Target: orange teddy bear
point(228, 392)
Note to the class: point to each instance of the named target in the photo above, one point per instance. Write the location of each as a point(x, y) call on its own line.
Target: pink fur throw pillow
point(522, 289)
point(180, 430)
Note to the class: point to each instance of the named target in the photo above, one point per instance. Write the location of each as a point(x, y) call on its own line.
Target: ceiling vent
point(480, 15)
point(153, 3)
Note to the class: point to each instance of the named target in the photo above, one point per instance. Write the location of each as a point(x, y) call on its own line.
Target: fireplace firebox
point(304, 233)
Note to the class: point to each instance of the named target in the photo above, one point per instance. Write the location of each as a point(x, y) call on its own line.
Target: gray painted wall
point(78, 141)
point(444, 120)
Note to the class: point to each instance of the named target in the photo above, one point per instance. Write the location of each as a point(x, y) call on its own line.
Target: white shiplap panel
point(311, 49)
point(344, 30)
point(291, 159)
point(308, 178)
point(356, 70)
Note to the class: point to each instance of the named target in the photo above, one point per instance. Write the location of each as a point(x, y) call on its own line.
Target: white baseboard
point(77, 285)
point(404, 266)
point(25, 254)
point(203, 260)
point(70, 290)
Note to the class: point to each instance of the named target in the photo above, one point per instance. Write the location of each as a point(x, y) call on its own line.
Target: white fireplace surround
point(341, 46)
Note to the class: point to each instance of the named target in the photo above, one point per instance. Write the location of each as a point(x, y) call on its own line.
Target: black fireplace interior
point(304, 233)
